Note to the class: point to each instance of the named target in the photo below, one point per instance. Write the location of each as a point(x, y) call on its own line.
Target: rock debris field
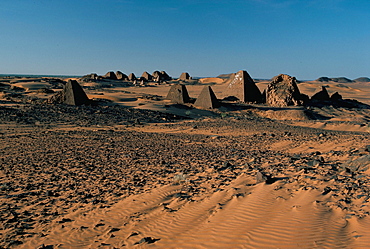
point(50, 168)
point(123, 166)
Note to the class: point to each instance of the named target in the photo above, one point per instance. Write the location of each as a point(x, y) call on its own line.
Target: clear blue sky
point(302, 38)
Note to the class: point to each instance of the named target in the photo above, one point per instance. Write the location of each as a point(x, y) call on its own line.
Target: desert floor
point(140, 172)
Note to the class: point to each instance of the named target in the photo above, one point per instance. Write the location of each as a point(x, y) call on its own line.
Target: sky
point(307, 39)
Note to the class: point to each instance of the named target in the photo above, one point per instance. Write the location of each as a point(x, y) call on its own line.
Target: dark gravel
point(46, 172)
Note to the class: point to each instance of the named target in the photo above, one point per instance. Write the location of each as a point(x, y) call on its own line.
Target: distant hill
point(338, 80)
point(362, 79)
point(226, 76)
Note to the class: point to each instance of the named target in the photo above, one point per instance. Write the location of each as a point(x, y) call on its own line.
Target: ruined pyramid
point(121, 76)
point(72, 94)
point(160, 76)
point(243, 87)
point(321, 95)
point(207, 99)
point(131, 77)
point(178, 94)
point(146, 76)
point(283, 91)
point(184, 76)
point(110, 75)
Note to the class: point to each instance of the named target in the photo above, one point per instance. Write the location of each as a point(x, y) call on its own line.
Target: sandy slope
point(243, 215)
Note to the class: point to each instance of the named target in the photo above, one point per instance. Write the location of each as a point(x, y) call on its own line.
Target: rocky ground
point(58, 159)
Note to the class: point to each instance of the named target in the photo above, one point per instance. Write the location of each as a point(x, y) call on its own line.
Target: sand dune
point(211, 80)
point(240, 216)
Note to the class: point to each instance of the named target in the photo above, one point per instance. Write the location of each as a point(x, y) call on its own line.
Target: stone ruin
point(132, 77)
point(89, 77)
point(161, 76)
point(243, 87)
point(146, 76)
point(178, 94)
point(157, 76)
point(185, 76)
point(165, 76)
point(72, 94)
point(110, 75)
point(283, 91)
point(207, 99)
point(121, 76)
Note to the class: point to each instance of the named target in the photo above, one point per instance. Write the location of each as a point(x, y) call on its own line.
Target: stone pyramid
point(178, 94)
point(207, 99)
point(146, 76)
point(185, 76)
point(156, 76)
point(132, 77)
point(110, 75)
point(160, 76)
point(243, 87)
point(165, 76)
point(121, 76)
point(74, 94)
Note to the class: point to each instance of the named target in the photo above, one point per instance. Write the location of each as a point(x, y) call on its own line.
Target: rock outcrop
point(72, 94)
point(283, 91)
point(207, 99)
point(243, 87)
point(321, 95)
point(178, 94)
point(336, 96)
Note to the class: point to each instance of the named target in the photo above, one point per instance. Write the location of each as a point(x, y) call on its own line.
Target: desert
point(121, 161)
